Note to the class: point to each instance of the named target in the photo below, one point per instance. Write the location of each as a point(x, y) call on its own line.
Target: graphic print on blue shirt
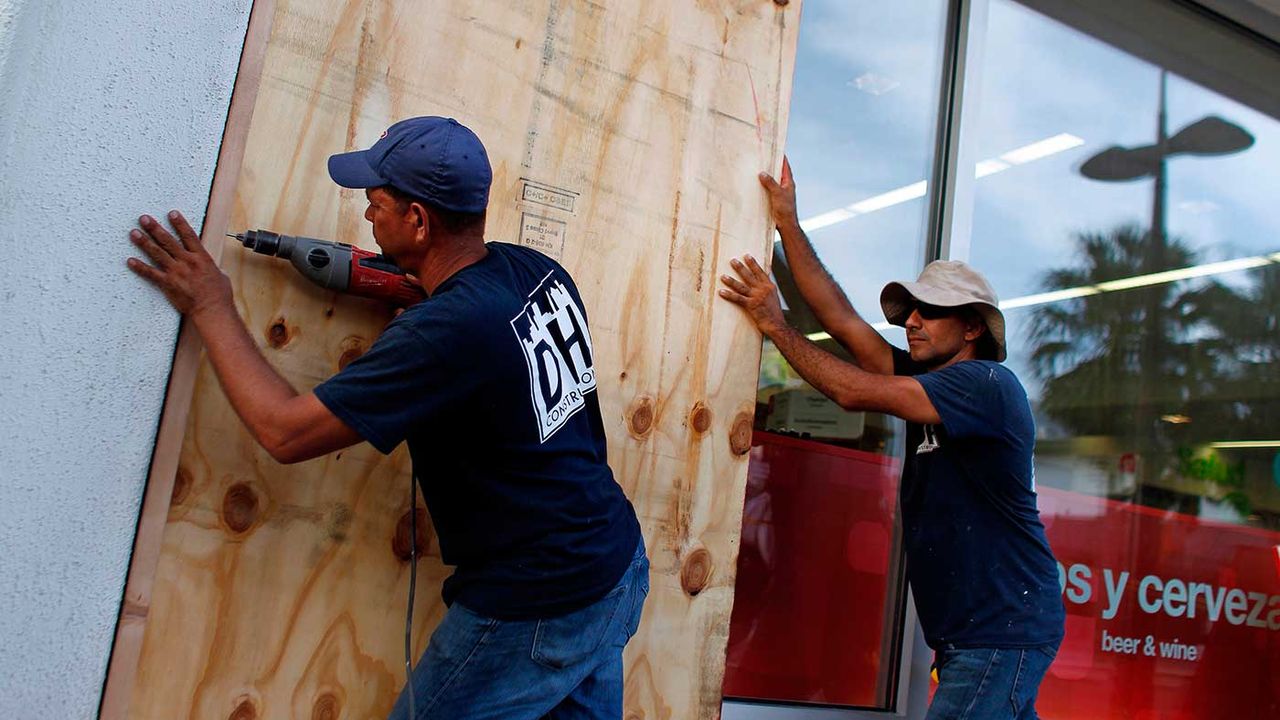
point(552, 330)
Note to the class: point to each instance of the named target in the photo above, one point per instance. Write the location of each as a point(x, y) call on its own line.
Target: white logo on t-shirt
point(930, 442)
point(552, 330)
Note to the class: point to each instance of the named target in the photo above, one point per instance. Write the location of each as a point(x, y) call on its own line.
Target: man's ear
point(974, 326)
point(421, 221)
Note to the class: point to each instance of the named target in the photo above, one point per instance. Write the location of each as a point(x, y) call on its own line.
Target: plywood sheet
point(625, 139)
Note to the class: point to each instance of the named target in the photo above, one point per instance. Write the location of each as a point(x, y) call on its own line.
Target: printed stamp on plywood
point(552, 197)
point(544, 234)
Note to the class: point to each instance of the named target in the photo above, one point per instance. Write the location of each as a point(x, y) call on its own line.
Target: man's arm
point(821, 293)
point(851, 387)
point(291, 427)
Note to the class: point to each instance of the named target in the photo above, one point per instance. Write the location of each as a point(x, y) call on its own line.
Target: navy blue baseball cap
point(433, 158)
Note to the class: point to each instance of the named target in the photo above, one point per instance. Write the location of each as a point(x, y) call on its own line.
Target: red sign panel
point(1168, 616)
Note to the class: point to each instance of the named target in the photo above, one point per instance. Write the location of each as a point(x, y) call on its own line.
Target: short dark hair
point(987, 348)
point(985, 345)
point(454, 222)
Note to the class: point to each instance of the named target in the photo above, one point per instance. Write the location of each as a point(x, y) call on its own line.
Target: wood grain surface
point(625, 139)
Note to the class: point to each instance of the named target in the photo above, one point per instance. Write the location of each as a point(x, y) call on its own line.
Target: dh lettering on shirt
point(553, 334)
point(568, 326)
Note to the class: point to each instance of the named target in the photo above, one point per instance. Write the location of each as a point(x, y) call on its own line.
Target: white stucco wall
point(107, 110)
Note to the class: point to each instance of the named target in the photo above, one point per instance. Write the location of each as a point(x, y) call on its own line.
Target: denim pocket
point(563, 641)
point(1032, 665)
point(638, 597)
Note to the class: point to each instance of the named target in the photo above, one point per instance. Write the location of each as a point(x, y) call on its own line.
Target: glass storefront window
point(1116, 168)
point(1138, 265)
point(819, 586)
point(1139, 276)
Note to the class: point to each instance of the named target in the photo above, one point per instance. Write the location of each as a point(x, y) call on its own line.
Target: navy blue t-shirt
point(978, 560)
point(492, 382)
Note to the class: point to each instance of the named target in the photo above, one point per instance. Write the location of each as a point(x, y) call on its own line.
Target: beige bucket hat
point(946, 283)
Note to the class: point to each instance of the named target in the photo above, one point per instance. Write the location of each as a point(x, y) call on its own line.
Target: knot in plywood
point(740, 434)
point(244, 711)
point(400, 542)
point(327, 707)
point(700, 418)
point(640, 416)
point(695, 571)
point(352, 347)
point(181, 486)
point(278, 333)
point(240, 508)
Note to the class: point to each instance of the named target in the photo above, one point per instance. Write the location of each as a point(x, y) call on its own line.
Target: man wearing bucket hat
point(491, 382)
point(983, 576)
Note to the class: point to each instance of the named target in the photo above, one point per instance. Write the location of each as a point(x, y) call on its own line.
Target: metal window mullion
point(951, 202)
point(952, 195)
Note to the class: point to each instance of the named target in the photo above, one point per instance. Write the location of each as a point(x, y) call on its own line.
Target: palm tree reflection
point(1200, 355)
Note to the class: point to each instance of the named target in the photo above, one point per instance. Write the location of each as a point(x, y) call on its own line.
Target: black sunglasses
point(934, 312)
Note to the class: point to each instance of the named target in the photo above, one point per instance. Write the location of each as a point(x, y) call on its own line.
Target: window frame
point(1221, 46)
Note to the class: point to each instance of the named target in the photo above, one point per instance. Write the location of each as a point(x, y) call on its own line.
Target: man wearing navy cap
point(491, 382)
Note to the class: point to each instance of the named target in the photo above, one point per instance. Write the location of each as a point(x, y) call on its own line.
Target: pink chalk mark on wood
point(755, 100)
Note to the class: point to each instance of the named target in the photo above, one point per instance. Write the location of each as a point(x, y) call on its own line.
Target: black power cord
point(413, 582)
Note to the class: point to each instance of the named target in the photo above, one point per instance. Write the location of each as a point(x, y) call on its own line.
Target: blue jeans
point(989, 683)
point(562, 668)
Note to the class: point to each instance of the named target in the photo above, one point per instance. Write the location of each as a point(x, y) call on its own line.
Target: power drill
point(338, 266)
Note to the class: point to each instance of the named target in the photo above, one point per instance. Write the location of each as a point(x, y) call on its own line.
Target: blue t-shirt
point(492, 382)
point(978, 560)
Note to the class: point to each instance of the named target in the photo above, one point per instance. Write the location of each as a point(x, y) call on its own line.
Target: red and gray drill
point(338, 266)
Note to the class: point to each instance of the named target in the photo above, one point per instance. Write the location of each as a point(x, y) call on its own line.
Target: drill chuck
point(266, 242)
